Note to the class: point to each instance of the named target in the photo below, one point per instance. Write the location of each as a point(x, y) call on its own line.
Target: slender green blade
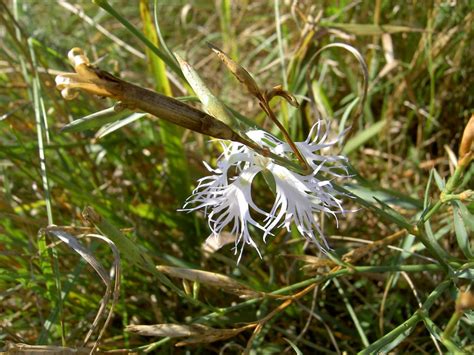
point(362, 137)
point(171, 135)
point(93, 121)
point(462, 217)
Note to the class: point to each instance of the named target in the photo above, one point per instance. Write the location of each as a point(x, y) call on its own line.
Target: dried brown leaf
point(214, 243)
point(211, 335)
point(20, 348)
point(212, 279)
point(195, 333)
point(278, 91)
point(168, 330)
point(358, 253)
point(98, 82)
point(239, 72)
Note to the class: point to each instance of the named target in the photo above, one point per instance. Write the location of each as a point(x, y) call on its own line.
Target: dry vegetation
point(400, 273)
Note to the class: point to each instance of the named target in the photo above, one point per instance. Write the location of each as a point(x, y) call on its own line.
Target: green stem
point(436, 251)
point(361, 269)
point(431, 212)
point(409, 324)
point(352, 313)
point(106, 6)
point(321, 279)
point(452, 325)
point(452, 347)
point(463, 196)
point(150, 347)
point(453, 182)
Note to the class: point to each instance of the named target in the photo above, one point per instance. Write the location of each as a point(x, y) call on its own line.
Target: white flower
point(226, 196)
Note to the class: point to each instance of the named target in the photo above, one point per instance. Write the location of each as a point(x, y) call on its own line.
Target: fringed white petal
point(227, 200)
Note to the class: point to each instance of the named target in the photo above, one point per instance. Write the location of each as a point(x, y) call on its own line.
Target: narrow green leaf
point(352, 313)
point(426, 201)
point(322, 100)
point(113, 126)
point(170, 134)
point(41, 131)
point(439, 180)
point(437, 334)
point(461, 216)
point(362, 137)
point(368, 198)
point(95, 120)
point(46, 266)
point(158, 67)
point(152, 46)
point(466, 274)
point(128, 249)
point(48, 257)
point(433, 243)
point(347, 113)
point(294, 347)
point(393, 343)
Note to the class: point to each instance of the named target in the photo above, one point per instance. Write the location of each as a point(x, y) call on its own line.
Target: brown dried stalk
point(102, 83)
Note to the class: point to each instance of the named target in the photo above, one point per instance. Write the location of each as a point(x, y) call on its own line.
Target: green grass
point(399, 263)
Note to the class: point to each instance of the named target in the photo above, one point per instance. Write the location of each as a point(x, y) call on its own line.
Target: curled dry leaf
point(278, 91)
point(365, 80)
point(212, 279)
point(112, 286)
point(85, 78)
point(240, 73)
point(84, 252)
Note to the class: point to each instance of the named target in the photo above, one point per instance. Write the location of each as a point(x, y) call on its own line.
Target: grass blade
point(461, 217)
point(170, 134)
point(92, 121)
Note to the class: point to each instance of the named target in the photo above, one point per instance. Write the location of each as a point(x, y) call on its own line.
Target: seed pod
point(239, 72)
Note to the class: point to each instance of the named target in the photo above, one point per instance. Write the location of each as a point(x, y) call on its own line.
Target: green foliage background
point(419, 56)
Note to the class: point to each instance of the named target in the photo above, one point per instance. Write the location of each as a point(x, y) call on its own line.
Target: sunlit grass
point(400, 262)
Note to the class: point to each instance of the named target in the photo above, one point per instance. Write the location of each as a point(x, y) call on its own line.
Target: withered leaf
point(278, 91)
point(225, 283)
point(195, 333)
point(239, 72)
